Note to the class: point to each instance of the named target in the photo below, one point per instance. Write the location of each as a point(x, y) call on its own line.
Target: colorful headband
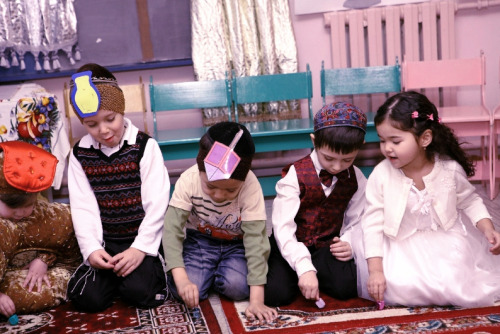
point(221, 161)
point(84, 94)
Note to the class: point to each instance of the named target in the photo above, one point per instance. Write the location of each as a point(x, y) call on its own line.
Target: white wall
point(475, 30)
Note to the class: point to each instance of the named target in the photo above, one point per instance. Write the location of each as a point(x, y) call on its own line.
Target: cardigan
point(387, 192)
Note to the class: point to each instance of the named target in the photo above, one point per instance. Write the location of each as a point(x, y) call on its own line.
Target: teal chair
point(276, 135)
point(365, 81)
point(183, 143)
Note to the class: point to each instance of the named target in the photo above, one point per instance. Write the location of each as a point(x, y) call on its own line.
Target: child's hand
point(37, 274)
point(309, 286)
point(127, 261)
point(257, 310)
point(341, 250)
point(494, 239)
point(376, 285)
point(188, 291)
point(100, 259)
point(7, 307)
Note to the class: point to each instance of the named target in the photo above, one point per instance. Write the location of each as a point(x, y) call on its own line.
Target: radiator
point(383, 35)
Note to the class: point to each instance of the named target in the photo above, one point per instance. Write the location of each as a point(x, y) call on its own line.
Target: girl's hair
point(413, 112)
point(17, 200)
point(341, 139)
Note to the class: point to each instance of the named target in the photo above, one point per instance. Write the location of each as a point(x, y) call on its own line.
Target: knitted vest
point(116, 182)
point(320, 218)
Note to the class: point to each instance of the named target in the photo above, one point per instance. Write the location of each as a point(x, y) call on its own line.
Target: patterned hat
point(25, 168)
point(339, 114)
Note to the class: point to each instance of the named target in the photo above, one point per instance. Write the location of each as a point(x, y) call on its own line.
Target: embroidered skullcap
point(339, 114)
point(224, 132)
point(25, 168)
point(110, 94)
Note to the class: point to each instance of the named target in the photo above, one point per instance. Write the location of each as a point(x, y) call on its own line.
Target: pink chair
point(494, 148)
point(439, 80)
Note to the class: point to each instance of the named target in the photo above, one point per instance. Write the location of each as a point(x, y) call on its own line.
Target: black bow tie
point(326, 177)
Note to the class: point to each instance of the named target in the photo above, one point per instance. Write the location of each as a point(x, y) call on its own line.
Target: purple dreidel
point(221, 161)
point(320, 303)
point(381, 304)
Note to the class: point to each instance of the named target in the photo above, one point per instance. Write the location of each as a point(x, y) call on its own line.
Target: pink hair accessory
point(221, 161)
point(431, 117)
point(414, 114)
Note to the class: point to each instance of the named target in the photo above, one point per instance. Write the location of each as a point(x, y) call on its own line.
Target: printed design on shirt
point(219, 220)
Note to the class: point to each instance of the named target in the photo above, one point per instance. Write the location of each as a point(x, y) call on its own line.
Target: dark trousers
point(93, 290)
point(336, 278)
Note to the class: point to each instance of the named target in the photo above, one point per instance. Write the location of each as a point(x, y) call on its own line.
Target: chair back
point(272, 87)
point(188, 95)
point(360, 80)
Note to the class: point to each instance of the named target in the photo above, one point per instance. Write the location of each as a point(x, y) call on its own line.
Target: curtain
point(40, 27)
point(242, 38)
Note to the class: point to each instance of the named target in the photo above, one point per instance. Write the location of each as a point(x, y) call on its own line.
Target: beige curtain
point(244, 37)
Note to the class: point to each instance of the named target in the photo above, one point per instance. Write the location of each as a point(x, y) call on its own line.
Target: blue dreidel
point(13, 320)
point(196, 313)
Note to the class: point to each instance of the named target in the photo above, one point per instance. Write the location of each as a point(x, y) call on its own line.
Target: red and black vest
point(320, 218)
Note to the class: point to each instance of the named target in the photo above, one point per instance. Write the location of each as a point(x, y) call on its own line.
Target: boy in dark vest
point(318, 200)
point(119, 191)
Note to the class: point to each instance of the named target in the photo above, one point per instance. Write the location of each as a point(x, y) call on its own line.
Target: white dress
point(426, 265)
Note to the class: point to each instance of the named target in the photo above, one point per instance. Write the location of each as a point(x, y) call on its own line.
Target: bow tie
point(326, 178)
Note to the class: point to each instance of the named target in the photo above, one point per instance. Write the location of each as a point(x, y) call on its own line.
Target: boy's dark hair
point(340, 126)
point(341, 139)
point(224, 132)
point(17, 200)
point(412, 111)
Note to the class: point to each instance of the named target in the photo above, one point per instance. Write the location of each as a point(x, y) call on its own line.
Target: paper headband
point(84, 94)
point(221, 161)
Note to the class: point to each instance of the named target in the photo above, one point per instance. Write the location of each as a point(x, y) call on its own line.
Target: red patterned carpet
point(222, 316)
point(358, 316)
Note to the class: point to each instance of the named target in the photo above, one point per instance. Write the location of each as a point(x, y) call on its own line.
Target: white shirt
point(155, 192)
point(285, 208)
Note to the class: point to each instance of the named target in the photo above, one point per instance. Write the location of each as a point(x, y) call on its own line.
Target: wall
point(476, 29)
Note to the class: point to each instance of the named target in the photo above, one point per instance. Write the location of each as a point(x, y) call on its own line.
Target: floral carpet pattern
point(219, 315)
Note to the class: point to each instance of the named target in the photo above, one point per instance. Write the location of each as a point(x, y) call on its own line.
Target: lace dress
point(426, 265)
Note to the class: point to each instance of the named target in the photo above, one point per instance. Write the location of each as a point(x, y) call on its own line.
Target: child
point(221, 207)
point(118, 190)
point(310, 212)
point(418, 249)
point(39, 250)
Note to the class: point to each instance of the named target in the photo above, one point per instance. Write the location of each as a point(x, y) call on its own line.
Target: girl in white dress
point(422, 227)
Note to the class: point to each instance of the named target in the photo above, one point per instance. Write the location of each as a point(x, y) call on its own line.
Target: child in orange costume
point(38, 251)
